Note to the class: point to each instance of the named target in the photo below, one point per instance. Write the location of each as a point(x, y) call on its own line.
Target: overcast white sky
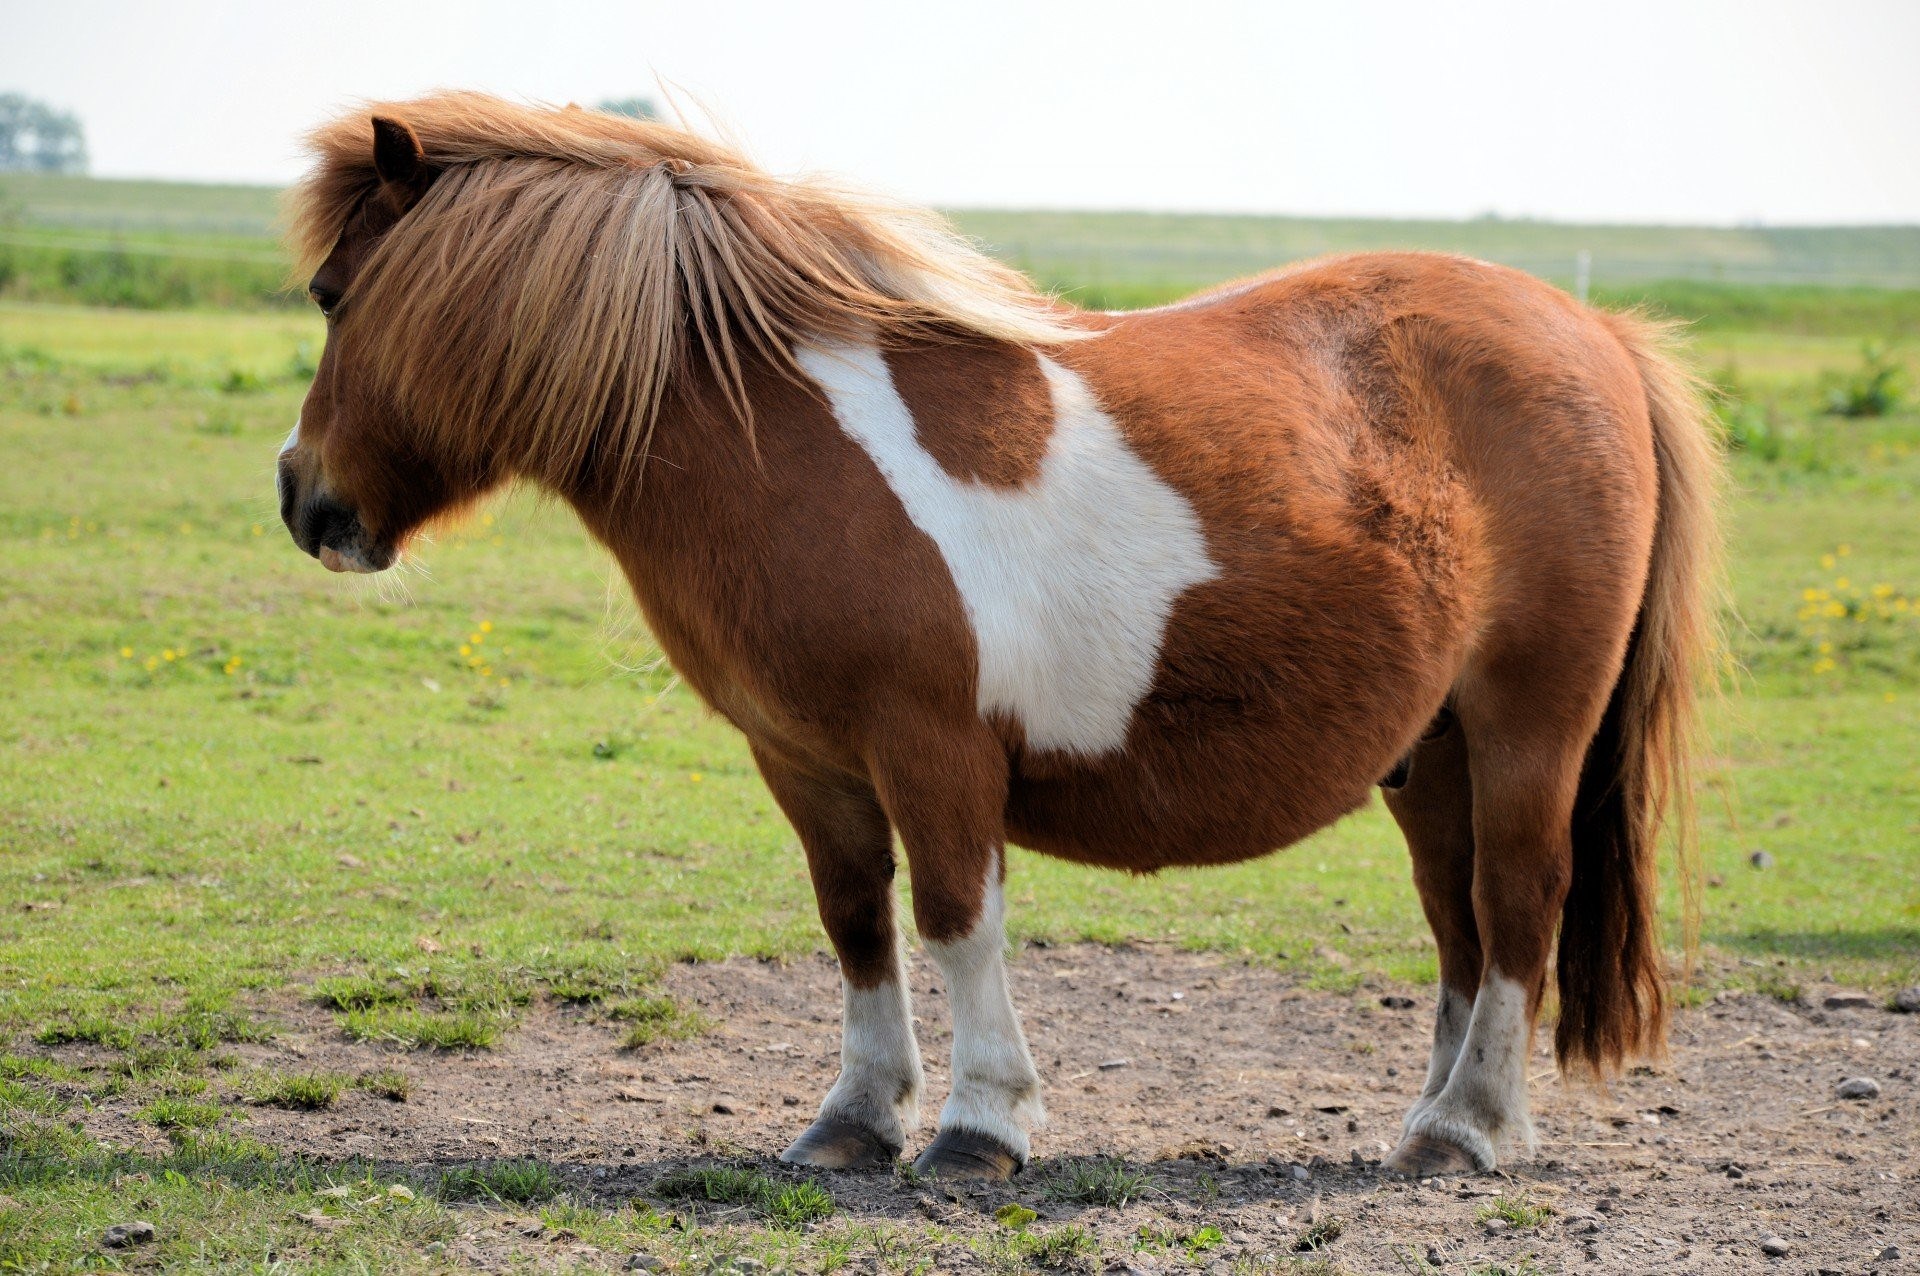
point(1675, 110)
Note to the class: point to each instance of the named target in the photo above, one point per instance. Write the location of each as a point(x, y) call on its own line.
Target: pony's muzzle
point(327, 530)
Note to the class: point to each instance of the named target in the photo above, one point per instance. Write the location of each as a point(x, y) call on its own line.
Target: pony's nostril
point(284, 484)
point(324, 521)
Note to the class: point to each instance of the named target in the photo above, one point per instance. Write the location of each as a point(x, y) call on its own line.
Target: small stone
point(642, 1263)
point(725, 1107)
point(1300, 1174)
point(1891, 1254)
point(1848, 1001)
point(1393, 1001)
point(1109, 1065)
point(1907, 1001)
point(1774, 1247)
point(1859, 1088)
point(1589, 1227)
point(124, 1235)
point(1495, 1226)
point(1760, 859)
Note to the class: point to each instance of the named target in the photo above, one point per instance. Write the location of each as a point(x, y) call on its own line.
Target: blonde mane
point(567, 263)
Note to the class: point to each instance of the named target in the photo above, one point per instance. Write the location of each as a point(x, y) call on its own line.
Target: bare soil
point(1258, 1106)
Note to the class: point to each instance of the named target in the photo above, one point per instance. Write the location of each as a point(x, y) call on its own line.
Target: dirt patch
point(1258, 1107)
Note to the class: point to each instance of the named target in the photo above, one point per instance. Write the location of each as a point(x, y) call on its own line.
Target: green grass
point(1098, 1182)
point(412, 1029)
point(174, 1113)
point(1515, 1211)
point(517, 1182)
point(305, 1092)
point(651, 1019)
point(784, 1204)
point(386, 1083)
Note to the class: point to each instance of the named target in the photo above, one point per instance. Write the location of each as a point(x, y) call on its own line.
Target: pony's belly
point(1165, 803)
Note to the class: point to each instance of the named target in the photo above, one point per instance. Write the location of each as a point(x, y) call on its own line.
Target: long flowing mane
point(565, 263)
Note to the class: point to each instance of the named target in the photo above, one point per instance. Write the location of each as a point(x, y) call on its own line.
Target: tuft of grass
point(16, 1096)
point(358, 992)
point(789, 1205)
point(91, 1029)
point(203, 1029)
point(1514, 1211)
point(652, 1019)
point(1319, 1234)
point(516, 1182)
point(172, 1113)
point(1102, 1181)
point(309, 1092)
point(387, 1083)
point(414, 1029)
point(1068, 1248)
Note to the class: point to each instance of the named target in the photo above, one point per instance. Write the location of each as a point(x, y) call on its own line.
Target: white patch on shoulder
point(1067, 582)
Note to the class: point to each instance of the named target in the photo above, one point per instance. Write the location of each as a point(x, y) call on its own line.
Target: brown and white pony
point(969, 567)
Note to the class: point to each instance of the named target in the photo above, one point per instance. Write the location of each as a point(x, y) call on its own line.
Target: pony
point(970, 567)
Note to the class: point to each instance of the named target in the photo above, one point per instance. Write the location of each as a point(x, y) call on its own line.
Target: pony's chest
point(1067, 580)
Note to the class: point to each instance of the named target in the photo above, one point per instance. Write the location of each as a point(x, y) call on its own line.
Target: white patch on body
point(293, 438)
point(1484, 1103)
point(1068, 581)
point(996, 1090)
point(880, 1078)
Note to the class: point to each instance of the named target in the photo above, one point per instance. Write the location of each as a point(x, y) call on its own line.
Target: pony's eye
point(324, 297)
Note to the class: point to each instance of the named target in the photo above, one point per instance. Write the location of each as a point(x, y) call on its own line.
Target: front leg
point(948, 804)
point(865, 1117)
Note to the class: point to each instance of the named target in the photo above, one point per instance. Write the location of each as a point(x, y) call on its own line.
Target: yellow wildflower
point(126, 653)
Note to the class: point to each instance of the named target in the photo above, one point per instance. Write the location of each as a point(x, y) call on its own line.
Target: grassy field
point(231, 778)
point(169, 244)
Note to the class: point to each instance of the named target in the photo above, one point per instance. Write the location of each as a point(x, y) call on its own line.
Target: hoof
point(832, 1144)
point(963, 1154)
point(1421, 1156)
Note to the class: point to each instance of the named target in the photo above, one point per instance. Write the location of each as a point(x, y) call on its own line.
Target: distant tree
point(639, 108)
point(35, 138)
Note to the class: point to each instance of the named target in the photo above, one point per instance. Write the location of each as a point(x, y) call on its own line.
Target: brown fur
point(1425, 482)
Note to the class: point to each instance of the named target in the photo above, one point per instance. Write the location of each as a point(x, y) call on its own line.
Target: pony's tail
point(1612, 970)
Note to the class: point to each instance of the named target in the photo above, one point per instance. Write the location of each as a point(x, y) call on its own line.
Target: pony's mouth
point(354, 559)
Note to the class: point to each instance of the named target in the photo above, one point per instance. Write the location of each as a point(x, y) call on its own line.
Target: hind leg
point(1525, 754)
point(1434, 809)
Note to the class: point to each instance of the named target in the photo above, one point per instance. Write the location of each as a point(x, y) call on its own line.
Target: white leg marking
point(996, 1090)
point(880, 1078)
point(1484, 1102)
point(1449, 1031)
point(1067, 582)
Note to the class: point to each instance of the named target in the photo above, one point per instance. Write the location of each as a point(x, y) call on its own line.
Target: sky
point(1621, 110)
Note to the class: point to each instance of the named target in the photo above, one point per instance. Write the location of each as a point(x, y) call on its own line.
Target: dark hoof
point(1422, 1156)
point(962, 1154)
point(832, 1144)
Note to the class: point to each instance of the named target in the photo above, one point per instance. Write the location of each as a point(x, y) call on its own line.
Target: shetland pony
point(969, 567)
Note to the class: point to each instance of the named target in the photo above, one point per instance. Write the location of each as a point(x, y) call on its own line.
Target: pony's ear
point(400, 162)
